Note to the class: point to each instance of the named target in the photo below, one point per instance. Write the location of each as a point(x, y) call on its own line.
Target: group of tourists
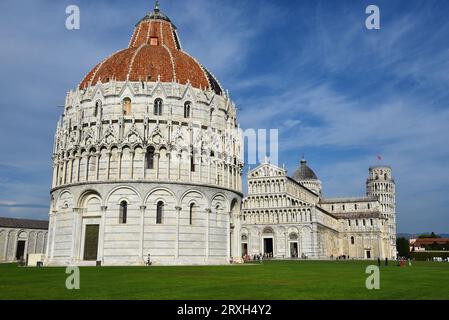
point(258, 257)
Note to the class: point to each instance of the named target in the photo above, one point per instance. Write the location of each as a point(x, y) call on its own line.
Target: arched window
point(211, 114)
point(97, 108)
point(349, 222)
point(355, 207)
point(187, 109)
point(159, 212)
point(123, 211)
point(192, 205)
point(352, 240)
point(150, 158)
point(127, 106)
point(369, 206)
point(386, 176)
point(158, 107)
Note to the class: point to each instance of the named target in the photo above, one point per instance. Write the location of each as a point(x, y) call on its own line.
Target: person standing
point(386, 262)
point(378, 262)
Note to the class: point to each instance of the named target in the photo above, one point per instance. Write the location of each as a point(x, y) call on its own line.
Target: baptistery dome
point(154, 53)
point(147, 160)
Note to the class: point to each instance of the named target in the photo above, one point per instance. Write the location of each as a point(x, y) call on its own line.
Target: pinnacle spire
point(156, 6)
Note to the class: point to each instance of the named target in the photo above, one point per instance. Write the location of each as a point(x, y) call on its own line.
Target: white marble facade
point(16, 242)
point(104, 156)
point(289, 218)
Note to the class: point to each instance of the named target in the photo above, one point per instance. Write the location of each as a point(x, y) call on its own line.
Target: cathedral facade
point(288, 217)
point(147, 166)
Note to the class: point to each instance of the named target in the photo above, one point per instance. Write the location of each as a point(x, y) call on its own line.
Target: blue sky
point(338, 93)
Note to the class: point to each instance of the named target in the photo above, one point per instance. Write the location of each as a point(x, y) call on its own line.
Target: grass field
point(270, 280)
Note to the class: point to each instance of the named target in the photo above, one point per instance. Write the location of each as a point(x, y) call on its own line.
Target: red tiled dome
point(154, 52)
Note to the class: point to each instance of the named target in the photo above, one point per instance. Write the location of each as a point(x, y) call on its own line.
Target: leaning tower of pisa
point(381, 185)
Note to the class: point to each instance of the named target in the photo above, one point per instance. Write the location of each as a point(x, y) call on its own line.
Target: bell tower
point(380, 184)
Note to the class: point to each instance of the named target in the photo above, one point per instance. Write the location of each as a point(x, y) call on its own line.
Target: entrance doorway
point(368, 254)
point(91, 242)
point(293, 249)
point(20, 249)
point(268, 245)
point(244, 249)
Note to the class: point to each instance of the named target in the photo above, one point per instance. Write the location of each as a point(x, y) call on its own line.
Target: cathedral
point(287, 217)
point(147, 167)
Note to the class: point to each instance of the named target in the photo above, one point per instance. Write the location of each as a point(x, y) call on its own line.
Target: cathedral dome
point(154, 54)
point(304, 172)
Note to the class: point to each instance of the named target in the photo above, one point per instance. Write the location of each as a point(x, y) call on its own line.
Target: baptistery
point(147, 160)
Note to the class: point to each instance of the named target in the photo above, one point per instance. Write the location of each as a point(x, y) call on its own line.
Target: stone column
point(55, 174)
point(228, 174)
point(71, 169)
point(157, 156)
point(208, 212)
point(78, 157)
point(228, 236)
point(119, 176)
point(208, 171)
point(5, 252)
point(75, 234)
point(97, 168)
point(216, 173)
point(190, 166)
point(52, 250)
point(36, 238)
point(88, 160)
point(168, 164)
point(381, 247)
point(178, 213)
point(143, 164)
point(108, 165)
point(142, 232)
point(101, 236)
point(64, 170)
point(223, 173)
point(132, 152)
point(179, 166)
point(200, 166)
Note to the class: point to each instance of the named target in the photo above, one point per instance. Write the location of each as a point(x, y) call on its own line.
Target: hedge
point(428, 255)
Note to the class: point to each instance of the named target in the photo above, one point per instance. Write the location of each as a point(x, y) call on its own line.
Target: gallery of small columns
point(272, 201)
point(125, 162)
point(109, 131)
point(34, 241)
point(264, 185)
point(197, 225)
point(277, 216)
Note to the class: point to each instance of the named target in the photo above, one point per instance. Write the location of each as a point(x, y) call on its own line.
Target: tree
point(426, 235)
point(403, 247)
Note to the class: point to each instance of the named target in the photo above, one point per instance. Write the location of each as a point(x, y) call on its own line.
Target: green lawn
point(270, 280)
